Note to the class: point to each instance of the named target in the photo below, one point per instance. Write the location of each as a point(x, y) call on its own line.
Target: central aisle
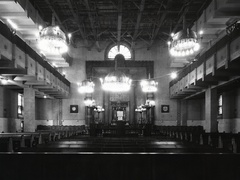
point(87, 144)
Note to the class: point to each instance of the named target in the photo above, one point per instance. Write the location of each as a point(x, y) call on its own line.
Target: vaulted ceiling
point(124, 20)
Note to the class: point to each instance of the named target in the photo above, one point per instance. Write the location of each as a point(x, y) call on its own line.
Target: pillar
point(183, 115)
point(211, 105)
point(29, 110)
point(132, 105)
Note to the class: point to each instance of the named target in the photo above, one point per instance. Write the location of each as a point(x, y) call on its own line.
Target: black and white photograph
point(120, 89)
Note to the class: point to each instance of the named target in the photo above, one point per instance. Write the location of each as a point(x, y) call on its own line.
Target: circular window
point(119, 49)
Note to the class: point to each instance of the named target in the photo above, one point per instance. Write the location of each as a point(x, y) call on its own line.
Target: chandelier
point(149, 85)
point(116, 81)
point(184, 42)
point(88, 101)
point(99, 109)
point(140, 108)
point(52, 39)
point(150, 103)
point(87, 86)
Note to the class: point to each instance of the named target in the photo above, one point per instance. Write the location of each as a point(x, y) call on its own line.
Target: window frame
point(220, 106)
point(111, 45)
point(20, 106)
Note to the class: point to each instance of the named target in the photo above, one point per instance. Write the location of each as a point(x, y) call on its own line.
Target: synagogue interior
point(126, 89)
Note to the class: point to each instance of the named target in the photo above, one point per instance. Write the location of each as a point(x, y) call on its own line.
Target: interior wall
point(77, 73)
point(9, 122)
point(230, 121)
point(57, 112)
point(196, 112)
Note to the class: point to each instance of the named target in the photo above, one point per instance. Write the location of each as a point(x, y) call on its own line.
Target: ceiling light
point(69, 35)
point(149, 85)
point(140, 108)
point(99, 109)
point(87, 86)
point(150, 103)
point(40, 27)
point(4, 81)
point(116, 81)
point(184, 43)
point(12, 24)
point(53, 40)
point(88, 101)
point(173, 75)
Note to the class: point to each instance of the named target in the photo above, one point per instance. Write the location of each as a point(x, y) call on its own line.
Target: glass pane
point(220, 110)
point(122, 50)
point(220, 100)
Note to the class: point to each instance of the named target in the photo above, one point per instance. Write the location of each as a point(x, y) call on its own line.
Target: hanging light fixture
point(53, 40)
point(90, 102)
point(149, 85)
point(87, 86)
point(150, 103)
point(116, 81)
point(184, 43)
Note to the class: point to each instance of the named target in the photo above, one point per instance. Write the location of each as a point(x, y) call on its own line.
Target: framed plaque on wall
point(73, 108)
point(165, 109)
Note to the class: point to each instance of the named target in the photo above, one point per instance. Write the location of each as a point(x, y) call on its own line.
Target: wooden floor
point(87, 144)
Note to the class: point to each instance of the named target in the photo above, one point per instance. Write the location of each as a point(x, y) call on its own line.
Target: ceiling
point(95, 22)
point(123, 20)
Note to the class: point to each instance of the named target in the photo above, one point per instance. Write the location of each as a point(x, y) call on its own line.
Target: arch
point(112, 50)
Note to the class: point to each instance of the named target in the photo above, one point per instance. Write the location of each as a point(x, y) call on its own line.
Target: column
point(183, 112)
point(211, 104)
point(29, 110)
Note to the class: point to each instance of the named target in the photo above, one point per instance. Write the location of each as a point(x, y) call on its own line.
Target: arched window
point(123, 49)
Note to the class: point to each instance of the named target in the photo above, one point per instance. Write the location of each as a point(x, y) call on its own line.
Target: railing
point(215, 65)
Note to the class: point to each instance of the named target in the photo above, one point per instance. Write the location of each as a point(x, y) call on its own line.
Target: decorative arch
point(123, 48)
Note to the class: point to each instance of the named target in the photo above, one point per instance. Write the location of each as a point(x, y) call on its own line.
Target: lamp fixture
point(87, 86)
point(116, 81)
point(140, 108)
point(53, 40)
point(88, 101)
point(184, 42)
point(150, 103)
point(3, 80)
point(99, 109)
point(149, 85)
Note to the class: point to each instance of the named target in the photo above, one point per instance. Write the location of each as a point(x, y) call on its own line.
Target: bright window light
point(122, 50)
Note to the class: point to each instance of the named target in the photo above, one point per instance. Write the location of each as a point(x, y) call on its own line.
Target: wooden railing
point(216, 65)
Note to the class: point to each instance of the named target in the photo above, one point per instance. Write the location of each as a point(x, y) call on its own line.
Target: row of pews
point(13, 142)
point(195, 134)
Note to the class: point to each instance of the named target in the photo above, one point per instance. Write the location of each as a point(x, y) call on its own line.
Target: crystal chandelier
point(88, 101)
point(87, 86)
point(99, 109)
point(53, 40)
point(140, 108)
point(150, 103)
point(149, 85)
point(116, 81)
point(184, 43)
